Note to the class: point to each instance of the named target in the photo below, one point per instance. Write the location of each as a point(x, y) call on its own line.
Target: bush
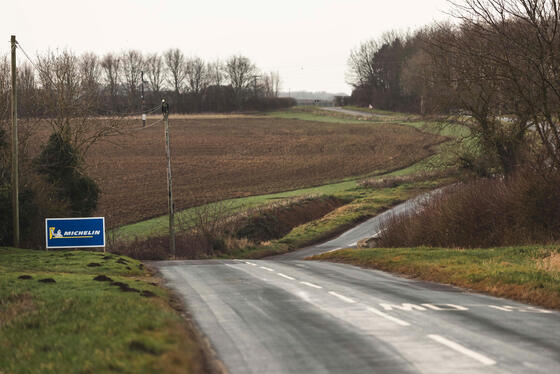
point(523, 209)
point(60, 163)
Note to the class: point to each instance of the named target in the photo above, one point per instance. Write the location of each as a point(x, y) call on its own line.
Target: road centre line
point(250, 263)
point(342, 297)
point(310, 284)
point(286, 276)
point(390, 318)
point(265, 268)
point(459, 348)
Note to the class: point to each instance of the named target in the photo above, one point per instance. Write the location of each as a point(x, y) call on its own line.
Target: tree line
point(496, 68)
point(112, 83)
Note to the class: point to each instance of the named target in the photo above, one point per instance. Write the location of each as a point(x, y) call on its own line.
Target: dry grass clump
point(15, 306)
point(522, 209)
point(551, 263)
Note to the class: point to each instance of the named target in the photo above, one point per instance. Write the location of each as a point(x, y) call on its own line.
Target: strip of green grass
point(78, 325)
point(528, 273)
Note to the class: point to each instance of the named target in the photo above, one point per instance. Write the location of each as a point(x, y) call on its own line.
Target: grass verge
point(55, 318)
point(528, 273)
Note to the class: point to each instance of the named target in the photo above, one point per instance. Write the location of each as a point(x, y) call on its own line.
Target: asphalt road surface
point(286, 315)
point(356, 113)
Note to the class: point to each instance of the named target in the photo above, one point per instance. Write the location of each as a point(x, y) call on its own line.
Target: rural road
point(354, 112)
point(286, 315)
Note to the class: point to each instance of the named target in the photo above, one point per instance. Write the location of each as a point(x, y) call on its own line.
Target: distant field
point(220, 157)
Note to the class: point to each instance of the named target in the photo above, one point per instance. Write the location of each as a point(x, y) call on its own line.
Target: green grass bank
point(88, 312)
point(528, 274)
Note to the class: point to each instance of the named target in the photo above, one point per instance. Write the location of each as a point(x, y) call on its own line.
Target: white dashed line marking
point(390, 318)
point(459, 348)
point(310, 284)
point(342, 297)
point(265, 268)
point(250, 263)
point(286, 276)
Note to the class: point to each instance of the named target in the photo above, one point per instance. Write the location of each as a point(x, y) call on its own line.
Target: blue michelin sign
point(75, 232)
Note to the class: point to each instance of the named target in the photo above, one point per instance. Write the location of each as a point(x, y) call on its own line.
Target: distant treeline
point(112, 84)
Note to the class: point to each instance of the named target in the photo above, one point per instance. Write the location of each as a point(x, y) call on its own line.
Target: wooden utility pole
point(15, 157)
point(165, 110)
point(143, 114)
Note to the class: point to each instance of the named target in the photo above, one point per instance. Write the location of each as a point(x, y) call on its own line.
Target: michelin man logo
point(53, 234)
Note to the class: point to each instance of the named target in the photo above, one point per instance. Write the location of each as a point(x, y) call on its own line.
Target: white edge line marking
point(265, 268)
point(332, 250)
point(390, 318)
point(286, 276)
point(310, 284)
point(459, 348)
point(342, 297)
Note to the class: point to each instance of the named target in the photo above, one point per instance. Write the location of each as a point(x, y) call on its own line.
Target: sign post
point(75, 232)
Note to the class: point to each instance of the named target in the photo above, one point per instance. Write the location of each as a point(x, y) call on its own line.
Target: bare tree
point(197, 75)
point(468, 81)
point(175, 63)
point(155, 72)
point(111, 66)
point(132, 66)
point(361, 63)
point(525, 36)
point(215, 73)
point(90, 74)
point(240, 72)
point(69, 101)
point(271, 84)
point(5, 84)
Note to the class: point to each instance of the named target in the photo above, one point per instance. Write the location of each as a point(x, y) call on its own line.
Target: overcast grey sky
point(306, 41)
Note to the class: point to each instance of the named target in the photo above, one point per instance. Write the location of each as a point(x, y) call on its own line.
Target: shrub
point(523, 209)
point(60, 163)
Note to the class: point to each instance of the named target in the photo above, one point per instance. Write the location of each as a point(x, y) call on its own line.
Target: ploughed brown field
point(215, 158)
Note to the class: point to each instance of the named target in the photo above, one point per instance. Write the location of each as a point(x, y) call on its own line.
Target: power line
point(26, 55)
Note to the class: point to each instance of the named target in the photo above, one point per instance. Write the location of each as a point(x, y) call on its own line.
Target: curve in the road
point(283, 315)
